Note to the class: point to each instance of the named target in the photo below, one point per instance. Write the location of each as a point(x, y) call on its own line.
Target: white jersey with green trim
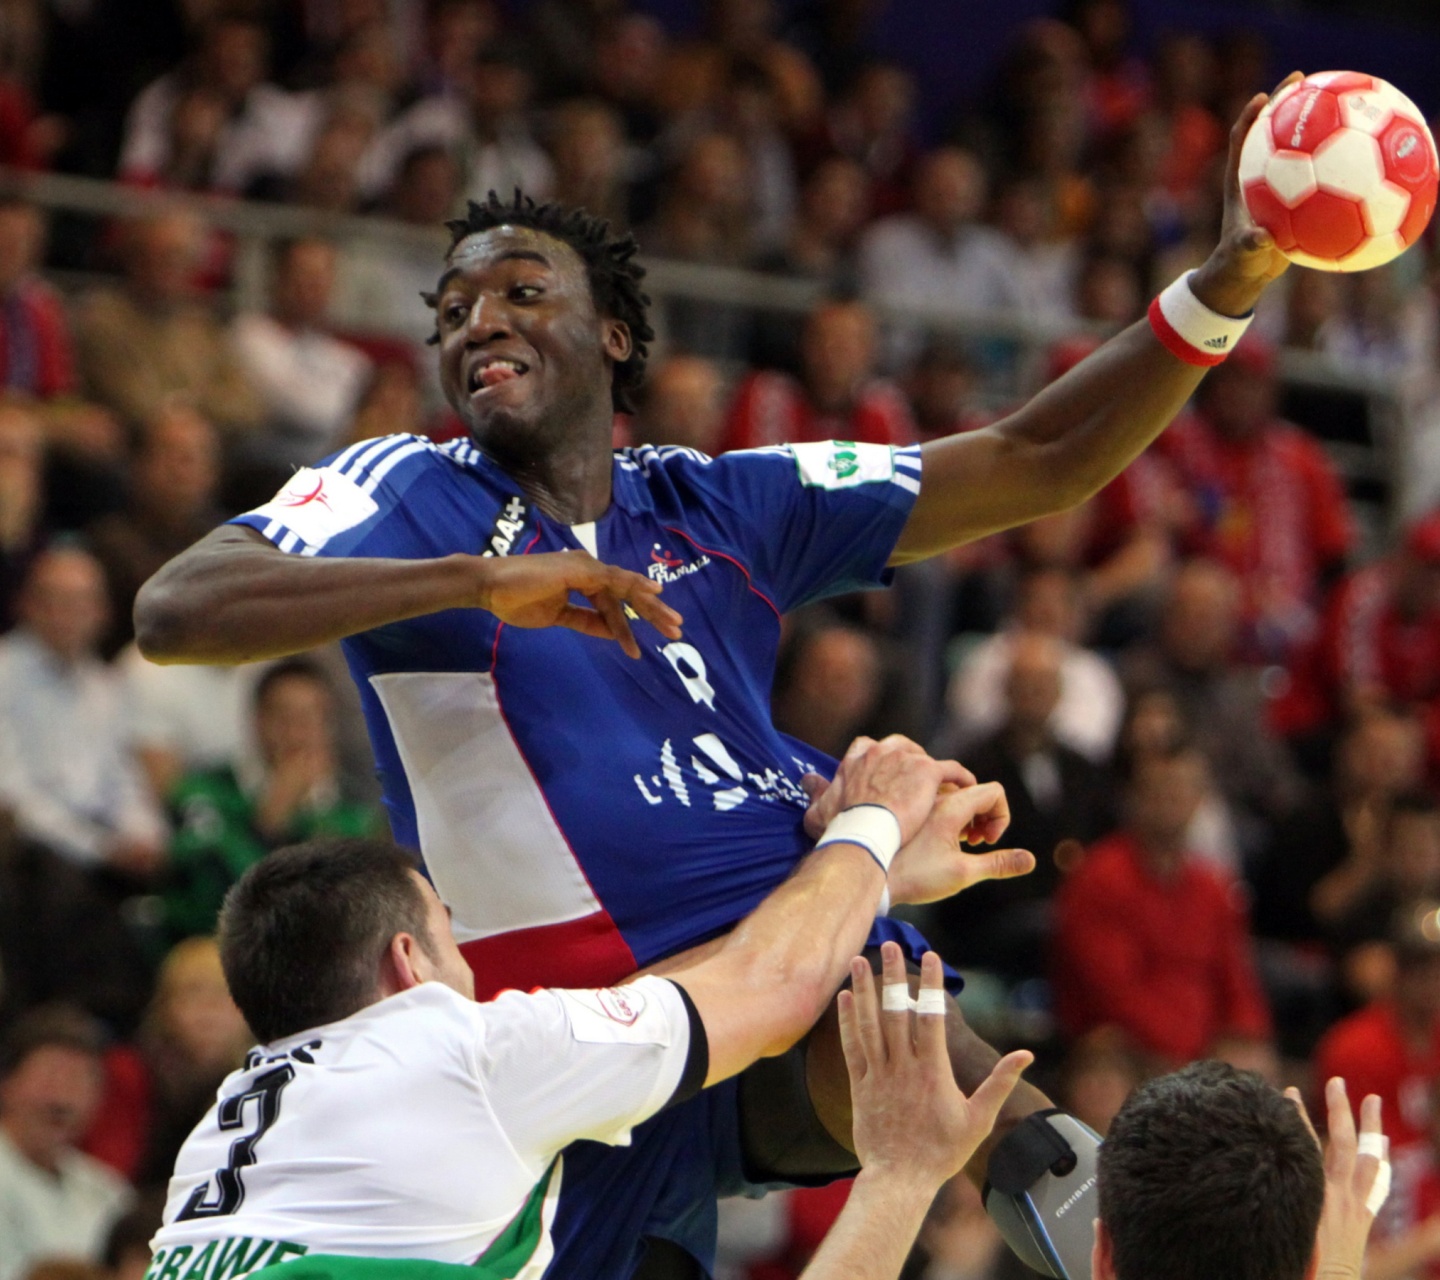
point(424, 1126)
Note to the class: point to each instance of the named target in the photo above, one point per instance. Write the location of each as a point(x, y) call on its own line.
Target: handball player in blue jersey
point(588, 808)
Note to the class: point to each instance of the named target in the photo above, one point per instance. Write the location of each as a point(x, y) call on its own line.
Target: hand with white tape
point(911, 1120)
point(1357, 1180)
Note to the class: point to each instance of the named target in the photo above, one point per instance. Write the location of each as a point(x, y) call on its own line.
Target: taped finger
point(895, 997)
point(930, 1003)
point(1379, 1189)
point(1373, 1144)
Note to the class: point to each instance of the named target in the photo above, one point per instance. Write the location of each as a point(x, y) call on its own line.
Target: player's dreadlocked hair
point(609, 263)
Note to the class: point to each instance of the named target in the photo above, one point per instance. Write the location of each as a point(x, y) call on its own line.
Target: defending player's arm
point(773, 976)
point(707, 1014)
point(234, 597)
point(1357, 1183)
point(1084, 429)
point(914, 1129)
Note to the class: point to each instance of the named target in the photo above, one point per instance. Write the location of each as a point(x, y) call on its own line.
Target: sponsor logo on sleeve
point(621, 1006)
point(608, 1016)
point(316, 504)
point(842, 464)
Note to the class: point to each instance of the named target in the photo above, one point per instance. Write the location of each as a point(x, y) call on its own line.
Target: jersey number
point(229, 1190)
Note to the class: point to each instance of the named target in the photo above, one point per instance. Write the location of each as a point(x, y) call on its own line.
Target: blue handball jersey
point(580, 812)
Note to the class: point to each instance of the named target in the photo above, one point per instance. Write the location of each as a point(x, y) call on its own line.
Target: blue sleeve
point(808, 520)
point(351, 503)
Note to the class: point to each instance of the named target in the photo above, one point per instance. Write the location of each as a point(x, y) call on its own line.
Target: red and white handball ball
point(1341, 169)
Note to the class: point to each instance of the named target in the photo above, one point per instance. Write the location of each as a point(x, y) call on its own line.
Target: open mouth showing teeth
point(493, 372)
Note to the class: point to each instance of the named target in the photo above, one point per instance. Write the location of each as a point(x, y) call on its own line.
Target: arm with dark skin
point(1080, 432)
point(233, 597)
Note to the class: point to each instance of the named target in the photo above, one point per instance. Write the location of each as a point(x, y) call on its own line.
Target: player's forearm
point(233, 598)
point(1061, 448)
point(779, 969)
point(877, 1228)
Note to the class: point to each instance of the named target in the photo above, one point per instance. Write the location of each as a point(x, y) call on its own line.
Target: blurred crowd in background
point(1212, 692)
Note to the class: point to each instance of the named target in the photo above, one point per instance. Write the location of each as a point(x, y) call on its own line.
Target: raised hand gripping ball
point(1341, 169)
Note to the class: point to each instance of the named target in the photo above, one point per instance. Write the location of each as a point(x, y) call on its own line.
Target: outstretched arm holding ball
point(1084, 429)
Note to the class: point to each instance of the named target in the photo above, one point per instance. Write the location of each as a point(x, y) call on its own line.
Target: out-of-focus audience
point(1059, 800)
point(1270, 504)
point(159, 1088)
point(66, 769)
point(154, 339)
point(1151, 940)
point(310, 382)
point(171, 502)
point(228, 819)
point(1088, 712)
point(835, 397)
point(55, 1201)
point(1210, 692)
point(1223, 705)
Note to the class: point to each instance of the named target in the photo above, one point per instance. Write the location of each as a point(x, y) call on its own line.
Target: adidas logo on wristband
point(1190, 330)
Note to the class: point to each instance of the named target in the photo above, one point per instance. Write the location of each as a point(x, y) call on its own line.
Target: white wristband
point(872, 826)
point(1190, 330)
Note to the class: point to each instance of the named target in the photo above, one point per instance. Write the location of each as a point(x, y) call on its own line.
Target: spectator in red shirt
point(1391, 1047)
point(35, 354)
point(1409, 1249)
point(1381, 640)
point(1184, 85)
point(159, 1088)
point(1151, 940)
point(837, 396)
point(942, 386)
point(1270, 504)
point(872, 124)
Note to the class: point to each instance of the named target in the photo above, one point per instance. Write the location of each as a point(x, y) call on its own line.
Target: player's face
point(524, 357)
point(446, 963)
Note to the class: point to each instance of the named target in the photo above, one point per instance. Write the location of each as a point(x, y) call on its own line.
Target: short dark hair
point(302, 932)
point(50, 1026)
point(290, 669)
point(1210, 1172)
point(610, 266)
point(132, 1232)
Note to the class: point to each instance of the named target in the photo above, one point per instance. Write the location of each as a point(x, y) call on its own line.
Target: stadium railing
point(1357, 414)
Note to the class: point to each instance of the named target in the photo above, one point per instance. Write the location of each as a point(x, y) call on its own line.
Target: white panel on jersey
point(840, 464)
point(496, 855)
point(318, 504)
point(585, 536)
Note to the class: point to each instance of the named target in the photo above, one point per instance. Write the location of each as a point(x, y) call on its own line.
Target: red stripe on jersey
point(588, 952)
point(720, 555)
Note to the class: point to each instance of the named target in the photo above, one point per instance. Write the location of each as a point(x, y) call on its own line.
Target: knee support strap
point(1040, 1191)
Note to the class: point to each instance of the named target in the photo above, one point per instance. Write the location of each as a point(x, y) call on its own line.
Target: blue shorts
point(667, 1181)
